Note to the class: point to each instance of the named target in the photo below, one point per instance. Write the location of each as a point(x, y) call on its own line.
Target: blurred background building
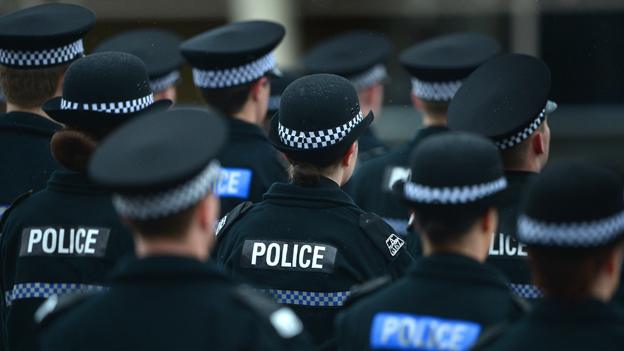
point(581, 40)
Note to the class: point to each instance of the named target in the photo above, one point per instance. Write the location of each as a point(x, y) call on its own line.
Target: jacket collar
point(325, 194)
point(67, 181)
point(166, 268)
point(238, 127)
point(425, 132)
point(586, 311)
point(28, 122)
point(519, 177)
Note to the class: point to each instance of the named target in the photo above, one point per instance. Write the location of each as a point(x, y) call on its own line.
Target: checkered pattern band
point(318, 139)
point(435, 91)
point(42, 58)
point(163, 83)
point(574, 234)
point(44, 290)
point(274, 103)
point(372, 76)
point(121, 107)
point(223, 78)
point(526, 291)
point(165, 203)
point(307, 298)
point(524, 134)
point(452, 195)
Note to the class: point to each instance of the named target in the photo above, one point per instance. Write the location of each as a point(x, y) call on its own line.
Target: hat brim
point(321, 156)
point(92, 119)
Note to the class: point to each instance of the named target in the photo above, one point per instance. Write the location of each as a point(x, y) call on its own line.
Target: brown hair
point(170, 227)
point(445, 224)
point(516, 156)
point(30, 88)
point(228, 101)
point(435, 108)
point(308, 174)
point(72, 148)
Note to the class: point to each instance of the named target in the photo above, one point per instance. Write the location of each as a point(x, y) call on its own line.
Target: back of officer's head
point(572, 220)
point(30, 88)
point(454, 183)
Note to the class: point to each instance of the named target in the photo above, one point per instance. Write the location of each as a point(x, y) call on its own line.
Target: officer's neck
point(430, 120)
point(250, 113)
point(34, 110)
point(189, 245)
point(474, 245)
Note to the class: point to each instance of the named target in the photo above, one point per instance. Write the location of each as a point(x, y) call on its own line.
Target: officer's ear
point(489, 221)
point(417, 102)
point(538, 143)
point(350, 156)
point(260, 88)
point(206, 212)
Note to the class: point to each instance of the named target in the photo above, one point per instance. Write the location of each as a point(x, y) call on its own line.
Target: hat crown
point(107, 77)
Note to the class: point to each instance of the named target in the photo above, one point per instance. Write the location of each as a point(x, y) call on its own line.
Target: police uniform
point(447, 300)
point(67, 238)
point(226, 57)
point(578, 212)
point(437, 67)
point(360, 57)
point(306, 245)
point(168, 301)
point(512, 107)
point(24, 136)
point(158, 49)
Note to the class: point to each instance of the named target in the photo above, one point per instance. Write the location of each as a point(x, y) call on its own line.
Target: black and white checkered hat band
point(574, 234)
point(452, 195)
point(121, 107)
point(163, 83)
point(318, 139)
point(435, 91)
point(524, 134)
point(372, 76)
point(165, 203)
point(223, 78)
point(274, 103)
point(48, 57)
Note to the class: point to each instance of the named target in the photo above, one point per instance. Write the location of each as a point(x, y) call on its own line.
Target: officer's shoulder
point(361, 291)
point(382, 235)
point(232, 217)
point(283, 320)
point(56, 306)
point(17, 202)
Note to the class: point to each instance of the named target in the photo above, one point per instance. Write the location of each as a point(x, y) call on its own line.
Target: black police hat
point(102, 90)
point(573, 204)
point(159, 50)
point(318, 120)
point(358, 56)
point(505, 100)
point(161, 163)
point(453, 169)
point(439, 65)
point(234, 54)
point(278, 85)
point(44, 35)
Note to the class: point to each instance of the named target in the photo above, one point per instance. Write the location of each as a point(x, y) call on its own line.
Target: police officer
point(162, 167)
point(36, 45)
point(307, 243)
point(66, 238)
point(506, 100)
point(450, 297)
point(437, 67)
point(572, 224)
point(159, 50)
point(358, 56)
point(232, 66)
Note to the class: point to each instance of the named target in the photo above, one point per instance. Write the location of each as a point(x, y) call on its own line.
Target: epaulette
point(365, 289)
point(234, 215)
point(382, 235)
point(56, 306)
point(12, 206)
point(283, 319)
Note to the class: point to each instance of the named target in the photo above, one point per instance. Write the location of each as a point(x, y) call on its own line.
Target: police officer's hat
point(103, 90)
point(160, 164)
point(318, 120)
point(234, 54)
point(159, 50)
point(43, 36)
point(439, 65)
point(278, 85)
point(505, 100)
point(453, 169)
point(358, 56)
point(573, 204)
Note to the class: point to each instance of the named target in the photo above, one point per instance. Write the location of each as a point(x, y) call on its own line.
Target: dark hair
point(445, 224)
point(228, 101)
point(516, 156)
point(567, 274)
point(30, 88)
point(170, 227)
point(72, 147)
point(435, 108)
point(308, 174)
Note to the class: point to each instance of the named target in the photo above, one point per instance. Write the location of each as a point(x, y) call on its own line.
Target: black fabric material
point(450, 57)
point(278, 85)
point(590, 325)
point(443, 286)
point(370, 146)
point(157, 48)
point(502, 97)
point(68, 201)
point(200, 301)
point(24, 154)
point(348, 54)
point(321, 214)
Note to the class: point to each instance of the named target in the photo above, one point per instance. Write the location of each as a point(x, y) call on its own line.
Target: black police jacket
point(64, 239)
point(306, 247)
point(506, 253)
point(370, 146)
point(250, 165)
point(24, 154)
point(445, 302)
point(174, 303)
point(591, 325)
